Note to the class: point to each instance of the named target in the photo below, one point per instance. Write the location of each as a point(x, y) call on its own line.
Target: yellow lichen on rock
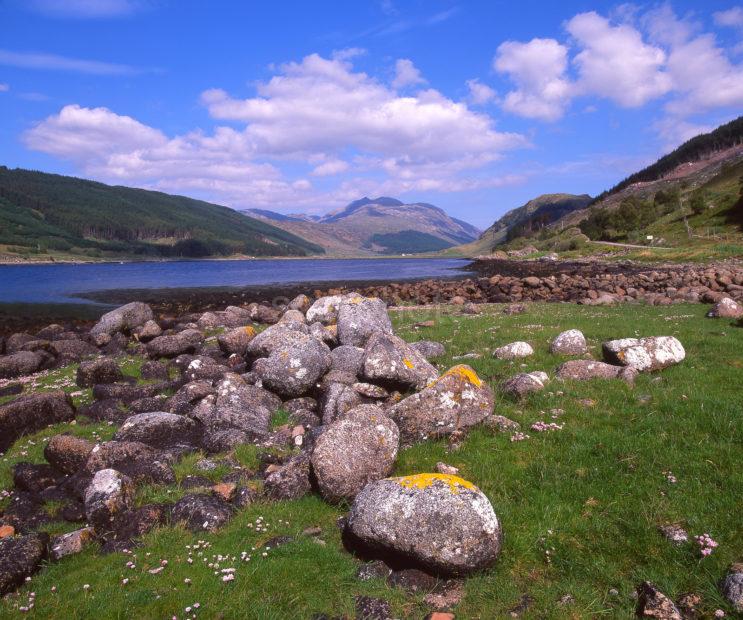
point(463, 372)
point(407, 362)
point(422, 481)
point(249, 330)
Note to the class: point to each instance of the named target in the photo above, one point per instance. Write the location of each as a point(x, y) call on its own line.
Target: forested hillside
point(47, 213)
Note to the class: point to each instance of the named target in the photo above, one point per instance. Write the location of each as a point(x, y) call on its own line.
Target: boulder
point(353, 451)
point(202, 512)
point(293, 370)
point(336, 399)
point(360, 317)
point(134, 459)
point(204, 368)
point(301, 303)
point(236, 340)
point(70, 543)
point(525, 383)
point(34, 478)
point(652, 603)
point(103, 370)
point(68, 453)
point(16, 342)
point(455, 401)
point(148, 331)
point(238, 413)
point(184, 400)
point(440, 522)
point(389, 359)
point(109, 494)
point(325, 310)
point(276, 338)
point(20, 557)
point(186, 341)
point(570, 342)
point(165, 431)
point(20, 364)
point(290, 480)
point(726, 308)
point(28, 414)
point(154, 369)
point(347, 358)
point(585, 370)
point(732, 587)
point(644, 354)
point(67, 351)
point(429, 349)
point(123, 319)
point(513, 350)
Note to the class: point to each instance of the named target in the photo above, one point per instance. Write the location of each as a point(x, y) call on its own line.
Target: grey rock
point(68, 453)
point(184, 400)
point(347, 358)
point(353, 451)
point(325, 310)
point(732, 587)
point(277, 337)
point(360, 317)
point(585, 370)
point(502, 424)
point(201, 512)
point(186, 341)
point(20, 557)
point(513, 350)
point(203, 368)
point(71, 350)
point(652, 603)
point(301, 303)
point(148, 331)
point(290, 480)
point(429, 349)
point(20, 364)
point(15, 342)
point(442, 523)
point(161, 430)
point(109, 494)
point(336, 400)
point(103, 370)
point(236, 340)
point(70, 543)
point(28, 414)
point(525, 383)
point(644, 354)
point(123, 319)
point(389, 359)
point(293, 370)
point(726, 308)
point(570, 342)
point(456, 401)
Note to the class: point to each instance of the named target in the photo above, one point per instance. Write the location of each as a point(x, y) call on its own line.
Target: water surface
point(66, 283)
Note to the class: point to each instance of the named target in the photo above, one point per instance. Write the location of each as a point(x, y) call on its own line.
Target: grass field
point(591, 494)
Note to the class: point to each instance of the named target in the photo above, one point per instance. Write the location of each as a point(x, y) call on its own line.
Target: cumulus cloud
point(538, 69)
point(53, 62)
point(732, 18)
point(479, 93)
point(318, 113)
point(406, 74)
point(616, 63)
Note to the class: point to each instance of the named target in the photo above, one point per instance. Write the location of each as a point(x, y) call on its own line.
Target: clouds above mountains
point(319, 113)
point(630, 61)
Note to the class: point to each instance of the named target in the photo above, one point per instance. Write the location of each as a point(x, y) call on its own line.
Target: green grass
point(592, 493)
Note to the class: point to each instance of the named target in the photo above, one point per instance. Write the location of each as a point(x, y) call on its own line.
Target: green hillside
point(57, 215)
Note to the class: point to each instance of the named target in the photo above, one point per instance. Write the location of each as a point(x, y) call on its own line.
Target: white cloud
point(330, 167)
point(538, 69)
point(732, 18)
point(616, 63)
point(84, 9)
point(479, 93)
point(4, 88)
point(52, 62)
point(406, 74)
point(318, 111)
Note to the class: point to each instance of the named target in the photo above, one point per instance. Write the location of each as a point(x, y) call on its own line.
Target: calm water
point(62, 283)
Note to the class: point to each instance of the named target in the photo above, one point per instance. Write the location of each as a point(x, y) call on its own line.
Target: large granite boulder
point(644, 354)
point(389, 359)
point(455, 401)
point(440, 522)
point(123, 319)
point(109, 494)
point(353, 451)
point(585, 370)
point(726, 308)
point(20, 557)
point(360, 317)
point(21, 363)
point(570, 342)
point(28, 414)
point(236, 341)
point(292, 371)
point(325, 309)
point(174, 345)
point(68, 453)
point(165, 431)
point(102, 370)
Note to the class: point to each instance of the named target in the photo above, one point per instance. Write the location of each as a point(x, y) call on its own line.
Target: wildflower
point(519, 436)
point(542, 427)
point(228, 577)
point(124, 581)
point(706, 544)
point(86, 586)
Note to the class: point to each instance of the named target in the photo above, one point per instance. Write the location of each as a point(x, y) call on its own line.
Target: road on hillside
point(630, 245)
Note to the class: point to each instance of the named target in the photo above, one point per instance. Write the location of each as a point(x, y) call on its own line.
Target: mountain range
point(371, 226)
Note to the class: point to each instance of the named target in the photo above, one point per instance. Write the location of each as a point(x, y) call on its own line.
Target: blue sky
point(304, 106)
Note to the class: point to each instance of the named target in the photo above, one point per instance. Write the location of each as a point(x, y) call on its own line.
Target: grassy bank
point(591, 494)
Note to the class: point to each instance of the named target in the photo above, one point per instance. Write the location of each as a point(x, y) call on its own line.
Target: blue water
point(63, 283)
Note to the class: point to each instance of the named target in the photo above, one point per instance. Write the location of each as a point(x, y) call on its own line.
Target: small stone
point(6, 531)
point(570, 342)
point(674, 533)
point(70, 543)
point(732, 587)
point(443, 468)
point(652, 603)
point(513, 350)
